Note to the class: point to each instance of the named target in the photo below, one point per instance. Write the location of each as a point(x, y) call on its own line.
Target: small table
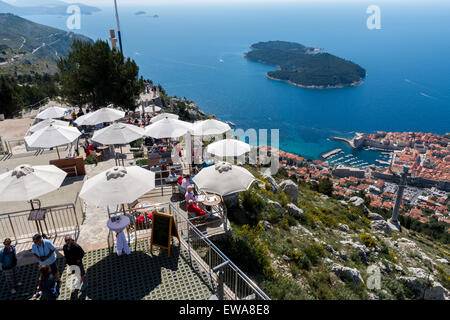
point(211, 200)
point(118, 225)
point(104, 151)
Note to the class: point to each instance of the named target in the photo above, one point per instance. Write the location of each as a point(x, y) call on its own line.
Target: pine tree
point(97, 75)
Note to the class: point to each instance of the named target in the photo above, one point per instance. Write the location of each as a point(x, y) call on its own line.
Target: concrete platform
point(138, 276)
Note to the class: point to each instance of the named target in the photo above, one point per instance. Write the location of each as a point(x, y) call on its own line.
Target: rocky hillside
point(27, 47)
point(300, 244)
point(44, 7)
point(187, 110)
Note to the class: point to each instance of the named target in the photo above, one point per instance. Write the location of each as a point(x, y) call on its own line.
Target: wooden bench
point(70, 170)
point(69, 163)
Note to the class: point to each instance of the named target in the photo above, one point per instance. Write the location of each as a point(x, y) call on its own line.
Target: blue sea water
point(197, 51)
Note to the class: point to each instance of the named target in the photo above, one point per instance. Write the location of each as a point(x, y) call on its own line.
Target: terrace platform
point(138, 276)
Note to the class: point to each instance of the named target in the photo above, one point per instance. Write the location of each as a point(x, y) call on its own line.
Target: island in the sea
point(306, 67)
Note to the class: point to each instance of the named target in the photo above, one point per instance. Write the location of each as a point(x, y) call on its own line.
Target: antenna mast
point(118, 26)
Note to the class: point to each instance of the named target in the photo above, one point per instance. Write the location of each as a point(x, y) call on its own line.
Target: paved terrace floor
point(138, 276)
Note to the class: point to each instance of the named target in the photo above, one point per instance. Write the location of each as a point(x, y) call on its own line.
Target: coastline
point(353, 84)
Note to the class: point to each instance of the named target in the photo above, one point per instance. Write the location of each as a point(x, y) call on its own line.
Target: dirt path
point(13, 128)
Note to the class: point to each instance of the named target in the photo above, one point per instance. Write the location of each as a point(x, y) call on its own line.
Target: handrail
point(250, 282)
point(48, 207)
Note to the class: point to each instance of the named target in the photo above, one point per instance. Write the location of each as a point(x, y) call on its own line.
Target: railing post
point(220, 287)
point(220, 290)
point(12, 228)
point(236, 284)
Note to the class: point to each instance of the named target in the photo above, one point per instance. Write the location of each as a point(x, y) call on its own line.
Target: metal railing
point(59, 219)
point(236, 284)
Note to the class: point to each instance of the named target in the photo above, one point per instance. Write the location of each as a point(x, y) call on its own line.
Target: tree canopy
point(97, 75)
point(25, 90)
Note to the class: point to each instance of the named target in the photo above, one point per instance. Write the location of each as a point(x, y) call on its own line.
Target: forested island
point(306, 67)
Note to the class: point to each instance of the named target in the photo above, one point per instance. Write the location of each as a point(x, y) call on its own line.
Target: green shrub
point(138, 154)
point(307, 256)
point(367, 240)
point(248, 251)
point(91, 160)
point(284, 223)
point(142, 162)
point(285, 289)
point(136, 144)
point(398, 289)
point(252, 202)
point(321, 284)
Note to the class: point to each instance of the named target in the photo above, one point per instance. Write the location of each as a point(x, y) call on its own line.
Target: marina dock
point(330, 153)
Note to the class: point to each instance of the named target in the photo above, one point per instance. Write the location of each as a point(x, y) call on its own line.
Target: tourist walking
point(44, 251)
point(74, 257)
point(8, 261)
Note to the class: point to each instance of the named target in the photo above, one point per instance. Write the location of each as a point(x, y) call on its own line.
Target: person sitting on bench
point(190, 195)
point(193, 208)
point(90, 151)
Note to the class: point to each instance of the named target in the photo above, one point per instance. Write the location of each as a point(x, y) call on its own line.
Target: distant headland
point(306, 67)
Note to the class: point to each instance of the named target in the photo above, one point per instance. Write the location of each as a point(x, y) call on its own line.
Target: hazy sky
point(158, 2)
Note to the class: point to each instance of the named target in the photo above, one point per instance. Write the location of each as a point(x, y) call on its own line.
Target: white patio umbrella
point(167, 128)
point(163, 116)
point(52, 136)
point(79, 121)
point(117, 186)
point(52, 113)
point(223, 179)
point(148, 109)
point(209, 127)
point(100, 116)
point(27, 182)
point(46, 123)
point(118, 133)
point(228, 148)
